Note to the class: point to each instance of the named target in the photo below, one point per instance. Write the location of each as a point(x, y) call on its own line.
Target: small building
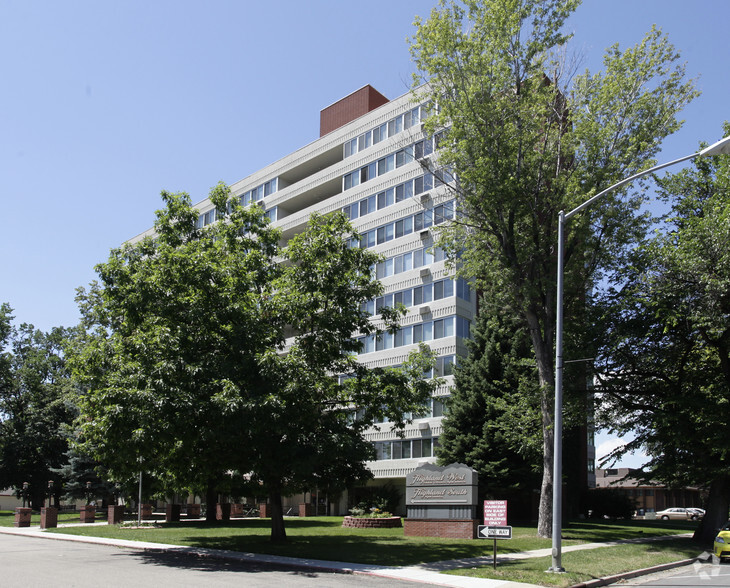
point(649, 496)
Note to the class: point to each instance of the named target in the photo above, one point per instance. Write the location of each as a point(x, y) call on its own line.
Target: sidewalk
point(427, 573)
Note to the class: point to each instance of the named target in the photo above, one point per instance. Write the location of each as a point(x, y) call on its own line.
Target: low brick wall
point(372, 523)
point(451, 529)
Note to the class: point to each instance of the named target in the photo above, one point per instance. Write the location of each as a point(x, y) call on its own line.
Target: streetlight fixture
point(721, 147)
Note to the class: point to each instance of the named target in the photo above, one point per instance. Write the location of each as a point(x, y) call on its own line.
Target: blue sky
point(104, 104)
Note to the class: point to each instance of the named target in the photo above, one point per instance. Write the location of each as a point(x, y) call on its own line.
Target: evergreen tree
point(493, 422)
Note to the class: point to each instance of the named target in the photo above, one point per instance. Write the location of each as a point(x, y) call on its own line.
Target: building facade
point(372, 162)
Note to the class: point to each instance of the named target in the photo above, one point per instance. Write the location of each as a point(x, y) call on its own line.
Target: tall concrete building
point(371, 161)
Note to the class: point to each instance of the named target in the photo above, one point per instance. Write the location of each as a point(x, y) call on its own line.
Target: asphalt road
point(710, 575)
point(29, 562)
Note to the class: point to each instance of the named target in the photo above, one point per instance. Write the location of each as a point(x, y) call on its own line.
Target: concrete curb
point(635, 574)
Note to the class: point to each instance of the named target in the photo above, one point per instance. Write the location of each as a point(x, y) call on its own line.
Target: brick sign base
point(452, 529)
point(372, 522)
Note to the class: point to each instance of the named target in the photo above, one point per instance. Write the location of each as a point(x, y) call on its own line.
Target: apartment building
point(370, 161)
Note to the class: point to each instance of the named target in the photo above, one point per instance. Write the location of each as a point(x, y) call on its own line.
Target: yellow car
point(721, 546)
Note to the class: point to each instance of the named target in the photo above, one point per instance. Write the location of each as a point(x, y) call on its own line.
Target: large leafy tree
point(214, 350)
point(665, 373)
point(35, 406)
point(173, 329)
point(528, 139)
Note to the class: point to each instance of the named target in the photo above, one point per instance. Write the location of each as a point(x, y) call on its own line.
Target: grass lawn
point(325, 538)
point(7, 517)
point(582, 566)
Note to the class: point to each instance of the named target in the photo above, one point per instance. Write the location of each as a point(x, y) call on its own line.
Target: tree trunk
point(718, 503)
point(546, 380)
point(211, 498)
point(278, 532)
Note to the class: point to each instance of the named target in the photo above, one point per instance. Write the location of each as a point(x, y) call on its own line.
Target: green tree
point(665, 374)
point(34, 407)
point(211, 350)
point(172, 335)
point(491, 423)
point(527, 139)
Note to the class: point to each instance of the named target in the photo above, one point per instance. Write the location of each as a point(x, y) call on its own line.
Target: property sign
point(495, 513)
point(455, 484)
point(494, 532)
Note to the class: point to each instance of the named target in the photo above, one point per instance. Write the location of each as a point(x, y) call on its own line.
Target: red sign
point(495, 513)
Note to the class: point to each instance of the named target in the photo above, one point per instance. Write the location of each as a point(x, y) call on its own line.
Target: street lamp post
point(721, 147)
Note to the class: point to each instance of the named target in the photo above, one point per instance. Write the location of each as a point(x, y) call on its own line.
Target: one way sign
point(494, 532)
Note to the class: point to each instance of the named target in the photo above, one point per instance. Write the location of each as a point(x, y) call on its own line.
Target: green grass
point(7, 517)
point(325, 538)
point(582, 566)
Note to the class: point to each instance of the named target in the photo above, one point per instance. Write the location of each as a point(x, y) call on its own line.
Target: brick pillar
point(236, 510)
point(306, 510)
point(263, 510)
point(115, 514)
point(49, 517)
point(146, 512)
point(172, 513)
point(193, 511)
point(22, 517)
point(88, 514)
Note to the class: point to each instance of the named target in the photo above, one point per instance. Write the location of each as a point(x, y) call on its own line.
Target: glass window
point(449, 326)
point(448, 368)
point(390, 231)
point(407, 335)
point(438, 408)
point(448, 288)
point(399, 192)
point(408, 225)
point(418, 258)
point(390, 197)
point(438, 329)
point(398, 269)
point(427, 331)
point(391, 128)
point(407, 261)
point(381, 166)
point(427, 257)
point(427, 292)
point(379, 304)
point(417, 333)
point(425, 447)
point(381, 235)
point(389, 266)
point(438, 290)
point(381, 200)
point(427, 218)
point(408, 298)
point(400, 158)
point(418, 295)
point(397, 296)
point(390, 163)
point(418, 221)
point(416, 448)
point(399, 229)
point(418, 185)
point(406, 449)
point(387, 450)
point(376, 135)
point(397, 452)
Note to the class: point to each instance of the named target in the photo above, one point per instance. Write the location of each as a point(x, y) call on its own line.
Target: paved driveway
point(29, 562)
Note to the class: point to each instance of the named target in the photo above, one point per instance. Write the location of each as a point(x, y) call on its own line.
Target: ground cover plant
point(325, 538)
